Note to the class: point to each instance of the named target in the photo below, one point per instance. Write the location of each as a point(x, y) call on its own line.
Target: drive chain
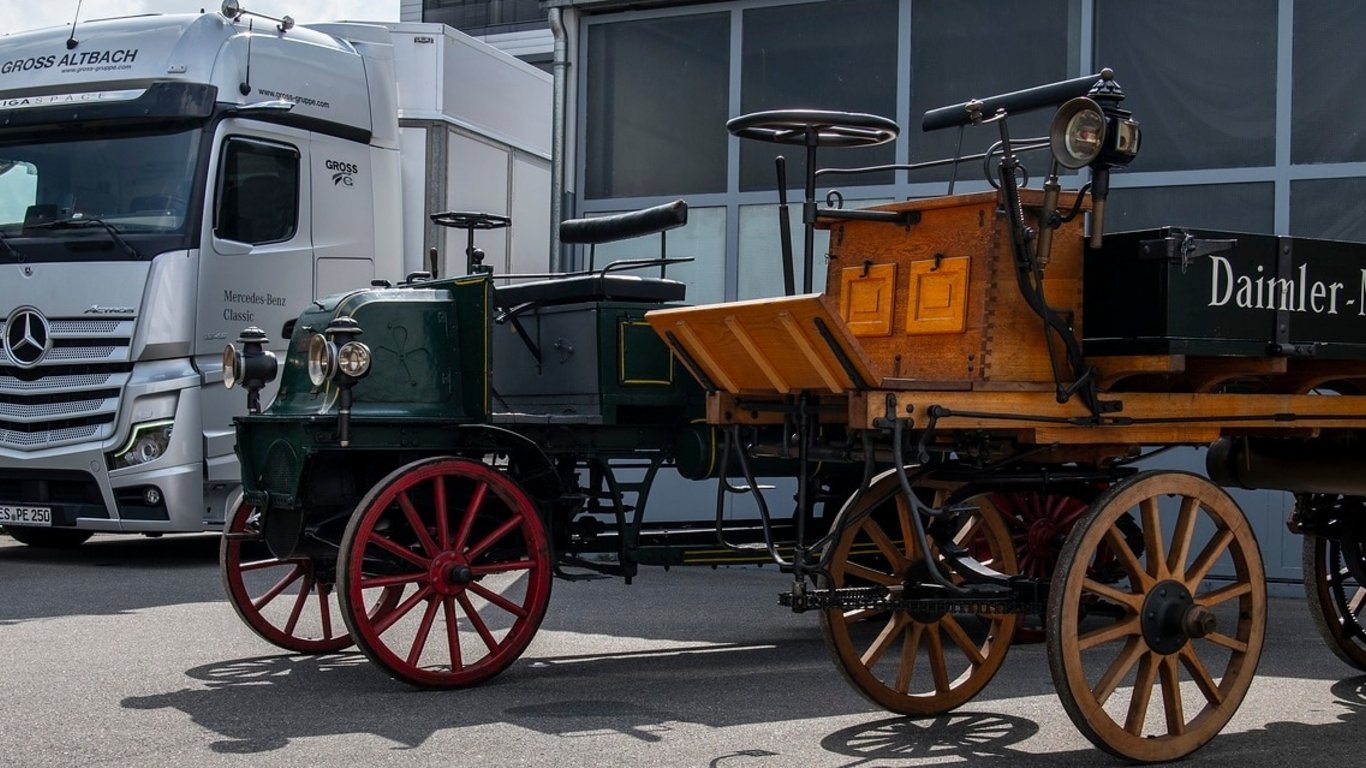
point(879, 598)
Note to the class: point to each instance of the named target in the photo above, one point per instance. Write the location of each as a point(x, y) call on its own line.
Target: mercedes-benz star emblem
point(28, 337)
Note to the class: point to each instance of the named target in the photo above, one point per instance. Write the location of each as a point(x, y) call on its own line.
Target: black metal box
point(1202, 292)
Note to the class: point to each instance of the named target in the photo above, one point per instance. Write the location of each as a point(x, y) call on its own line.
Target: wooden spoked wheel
point(289, 603)
point(1151, 661)
point(1336, 598)
point(468, 549)
point(919, 665)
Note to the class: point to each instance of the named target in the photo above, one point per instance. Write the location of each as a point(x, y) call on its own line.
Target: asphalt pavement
point(124, 652)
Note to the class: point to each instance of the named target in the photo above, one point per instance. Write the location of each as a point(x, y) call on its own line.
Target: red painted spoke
point(420, 639)
point(383, 623)
point(511, 565)
point(257, 565)
point(1071, 514)
point(305, 590)
point(375, 582)
point(471, 512)
point(498, 533)
point(452, 634)
point(398, 549)
point(415, 522)
point(478, 622)
point(497, 599)
point(280, 586)
point(443, 531)
point(326, 610)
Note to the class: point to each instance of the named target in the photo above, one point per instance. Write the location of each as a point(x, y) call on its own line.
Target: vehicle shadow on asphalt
point(260, 704)
point(984, 738)
point(107, 575)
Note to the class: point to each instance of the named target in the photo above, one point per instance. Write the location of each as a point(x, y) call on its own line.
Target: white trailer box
point(168, 180)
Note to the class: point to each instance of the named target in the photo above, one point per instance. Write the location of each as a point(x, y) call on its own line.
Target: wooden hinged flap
point(781, 345)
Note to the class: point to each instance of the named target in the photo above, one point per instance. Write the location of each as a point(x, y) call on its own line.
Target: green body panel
point(439, 359)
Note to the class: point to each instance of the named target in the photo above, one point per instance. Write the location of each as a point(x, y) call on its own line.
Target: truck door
point(257, 262)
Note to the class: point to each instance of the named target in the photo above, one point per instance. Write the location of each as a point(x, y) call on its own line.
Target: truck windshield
point(139, 184)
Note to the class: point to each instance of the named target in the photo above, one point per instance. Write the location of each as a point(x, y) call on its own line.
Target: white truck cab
point(166, 181)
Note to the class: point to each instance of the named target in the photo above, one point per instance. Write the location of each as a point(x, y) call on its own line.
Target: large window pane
point(832, 55)
point(1232, 207)
point(657, 104)
point(971, 49)
point(761, 263)
point(1199, 76)
point(1331, 209)
point(702, 239)
point(1327, 107)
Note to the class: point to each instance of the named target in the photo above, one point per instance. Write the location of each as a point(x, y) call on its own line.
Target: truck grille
point(72, 395)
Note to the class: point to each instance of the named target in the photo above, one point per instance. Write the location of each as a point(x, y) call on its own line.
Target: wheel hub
point(450, 574)
point(1042, 539)
point(1171, 617)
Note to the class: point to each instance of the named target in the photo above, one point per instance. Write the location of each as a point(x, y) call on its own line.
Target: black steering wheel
point(815, 127)
point(470, 220)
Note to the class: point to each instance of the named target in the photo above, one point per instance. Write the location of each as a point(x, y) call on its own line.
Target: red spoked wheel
point(1038, 524)
point(290, 603)
point(468, 550)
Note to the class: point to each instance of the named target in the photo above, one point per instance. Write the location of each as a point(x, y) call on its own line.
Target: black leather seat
point(594, 287)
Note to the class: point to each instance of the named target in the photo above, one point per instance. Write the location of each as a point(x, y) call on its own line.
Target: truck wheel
point(51, 538)
point(463, 542)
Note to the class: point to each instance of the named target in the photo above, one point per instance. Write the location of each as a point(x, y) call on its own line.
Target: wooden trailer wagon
point(962, 409)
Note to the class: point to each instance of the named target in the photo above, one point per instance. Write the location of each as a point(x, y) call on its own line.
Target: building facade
point(1249, 109)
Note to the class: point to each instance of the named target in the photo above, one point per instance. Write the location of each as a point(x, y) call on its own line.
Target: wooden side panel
point(960, 318)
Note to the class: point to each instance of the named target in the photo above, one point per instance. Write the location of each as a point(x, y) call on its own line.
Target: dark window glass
point(258, 199)
point(1199, 76)
point(837, 56)
point(486, 16)
point(656, 116)
point(1331, 209)
point(1233, 207)
point(1327, 107)
point(971, 49)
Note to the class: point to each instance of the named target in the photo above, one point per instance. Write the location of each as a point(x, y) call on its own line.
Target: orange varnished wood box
point(937, 304)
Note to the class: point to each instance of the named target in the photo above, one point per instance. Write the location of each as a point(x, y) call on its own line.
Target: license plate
point(10, 515)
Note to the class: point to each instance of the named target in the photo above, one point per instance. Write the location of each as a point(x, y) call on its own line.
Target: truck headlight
point(353, 359)
point(146, 443)
point(1077, 135)
point(322, 359)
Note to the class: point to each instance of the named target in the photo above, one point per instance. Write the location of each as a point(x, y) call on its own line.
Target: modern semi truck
point(166, 180)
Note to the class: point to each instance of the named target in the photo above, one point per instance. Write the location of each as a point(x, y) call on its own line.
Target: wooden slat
point(833, 382)
point(769, 346)
point(756, 354)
